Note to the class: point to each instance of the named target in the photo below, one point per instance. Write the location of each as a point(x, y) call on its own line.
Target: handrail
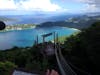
point(65, 65)
point(59, 63)
point(86, 73)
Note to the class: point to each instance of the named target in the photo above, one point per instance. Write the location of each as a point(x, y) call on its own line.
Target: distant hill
point(5, 19)
point(37, 19)
point(71, 20)
point(79, 22)
point(8, 20)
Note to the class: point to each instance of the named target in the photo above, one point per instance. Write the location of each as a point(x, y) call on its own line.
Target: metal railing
point(66, 64)
point(63, 65)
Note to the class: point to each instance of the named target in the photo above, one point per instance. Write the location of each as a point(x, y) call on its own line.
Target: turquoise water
point(25, 38)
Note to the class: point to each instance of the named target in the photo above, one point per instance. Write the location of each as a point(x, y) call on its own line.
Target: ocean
point(25, 38)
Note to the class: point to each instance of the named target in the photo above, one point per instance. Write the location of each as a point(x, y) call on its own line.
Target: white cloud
point(44, 5)
point(85, 1)
point(91, 5)
point(7, 4)
point(91, 8)
point(40, 5)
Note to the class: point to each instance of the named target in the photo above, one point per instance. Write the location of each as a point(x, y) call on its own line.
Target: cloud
point(38, 5)
point(85, 1)
point(44, 5)
point(7, 4)
point(91, 5)
point(91, 8)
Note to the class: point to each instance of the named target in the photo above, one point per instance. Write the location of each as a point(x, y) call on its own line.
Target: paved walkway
point(22, 73)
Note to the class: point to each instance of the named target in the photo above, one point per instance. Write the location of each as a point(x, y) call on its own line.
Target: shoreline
point(4, 31)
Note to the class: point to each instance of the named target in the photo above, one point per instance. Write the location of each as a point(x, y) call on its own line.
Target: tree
point(84, 48)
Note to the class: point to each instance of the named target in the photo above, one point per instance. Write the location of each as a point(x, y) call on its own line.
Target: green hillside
point(83, 49)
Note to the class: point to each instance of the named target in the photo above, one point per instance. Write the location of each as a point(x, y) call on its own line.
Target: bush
point(6, 67)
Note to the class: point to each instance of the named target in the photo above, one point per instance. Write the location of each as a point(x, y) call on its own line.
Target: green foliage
point(33, 65)
point(28, 58)
point(84, 48)
point(62, 39)
point(6, 68)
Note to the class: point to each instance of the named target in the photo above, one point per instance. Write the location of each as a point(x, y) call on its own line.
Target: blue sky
point(48, 6)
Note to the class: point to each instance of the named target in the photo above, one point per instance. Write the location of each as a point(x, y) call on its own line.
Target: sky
point(48, 6)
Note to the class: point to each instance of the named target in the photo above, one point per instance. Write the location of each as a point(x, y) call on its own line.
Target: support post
point(57, 40)
point(54, 38)
point(37, 40)
point(54, 41)
point(43, 39)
